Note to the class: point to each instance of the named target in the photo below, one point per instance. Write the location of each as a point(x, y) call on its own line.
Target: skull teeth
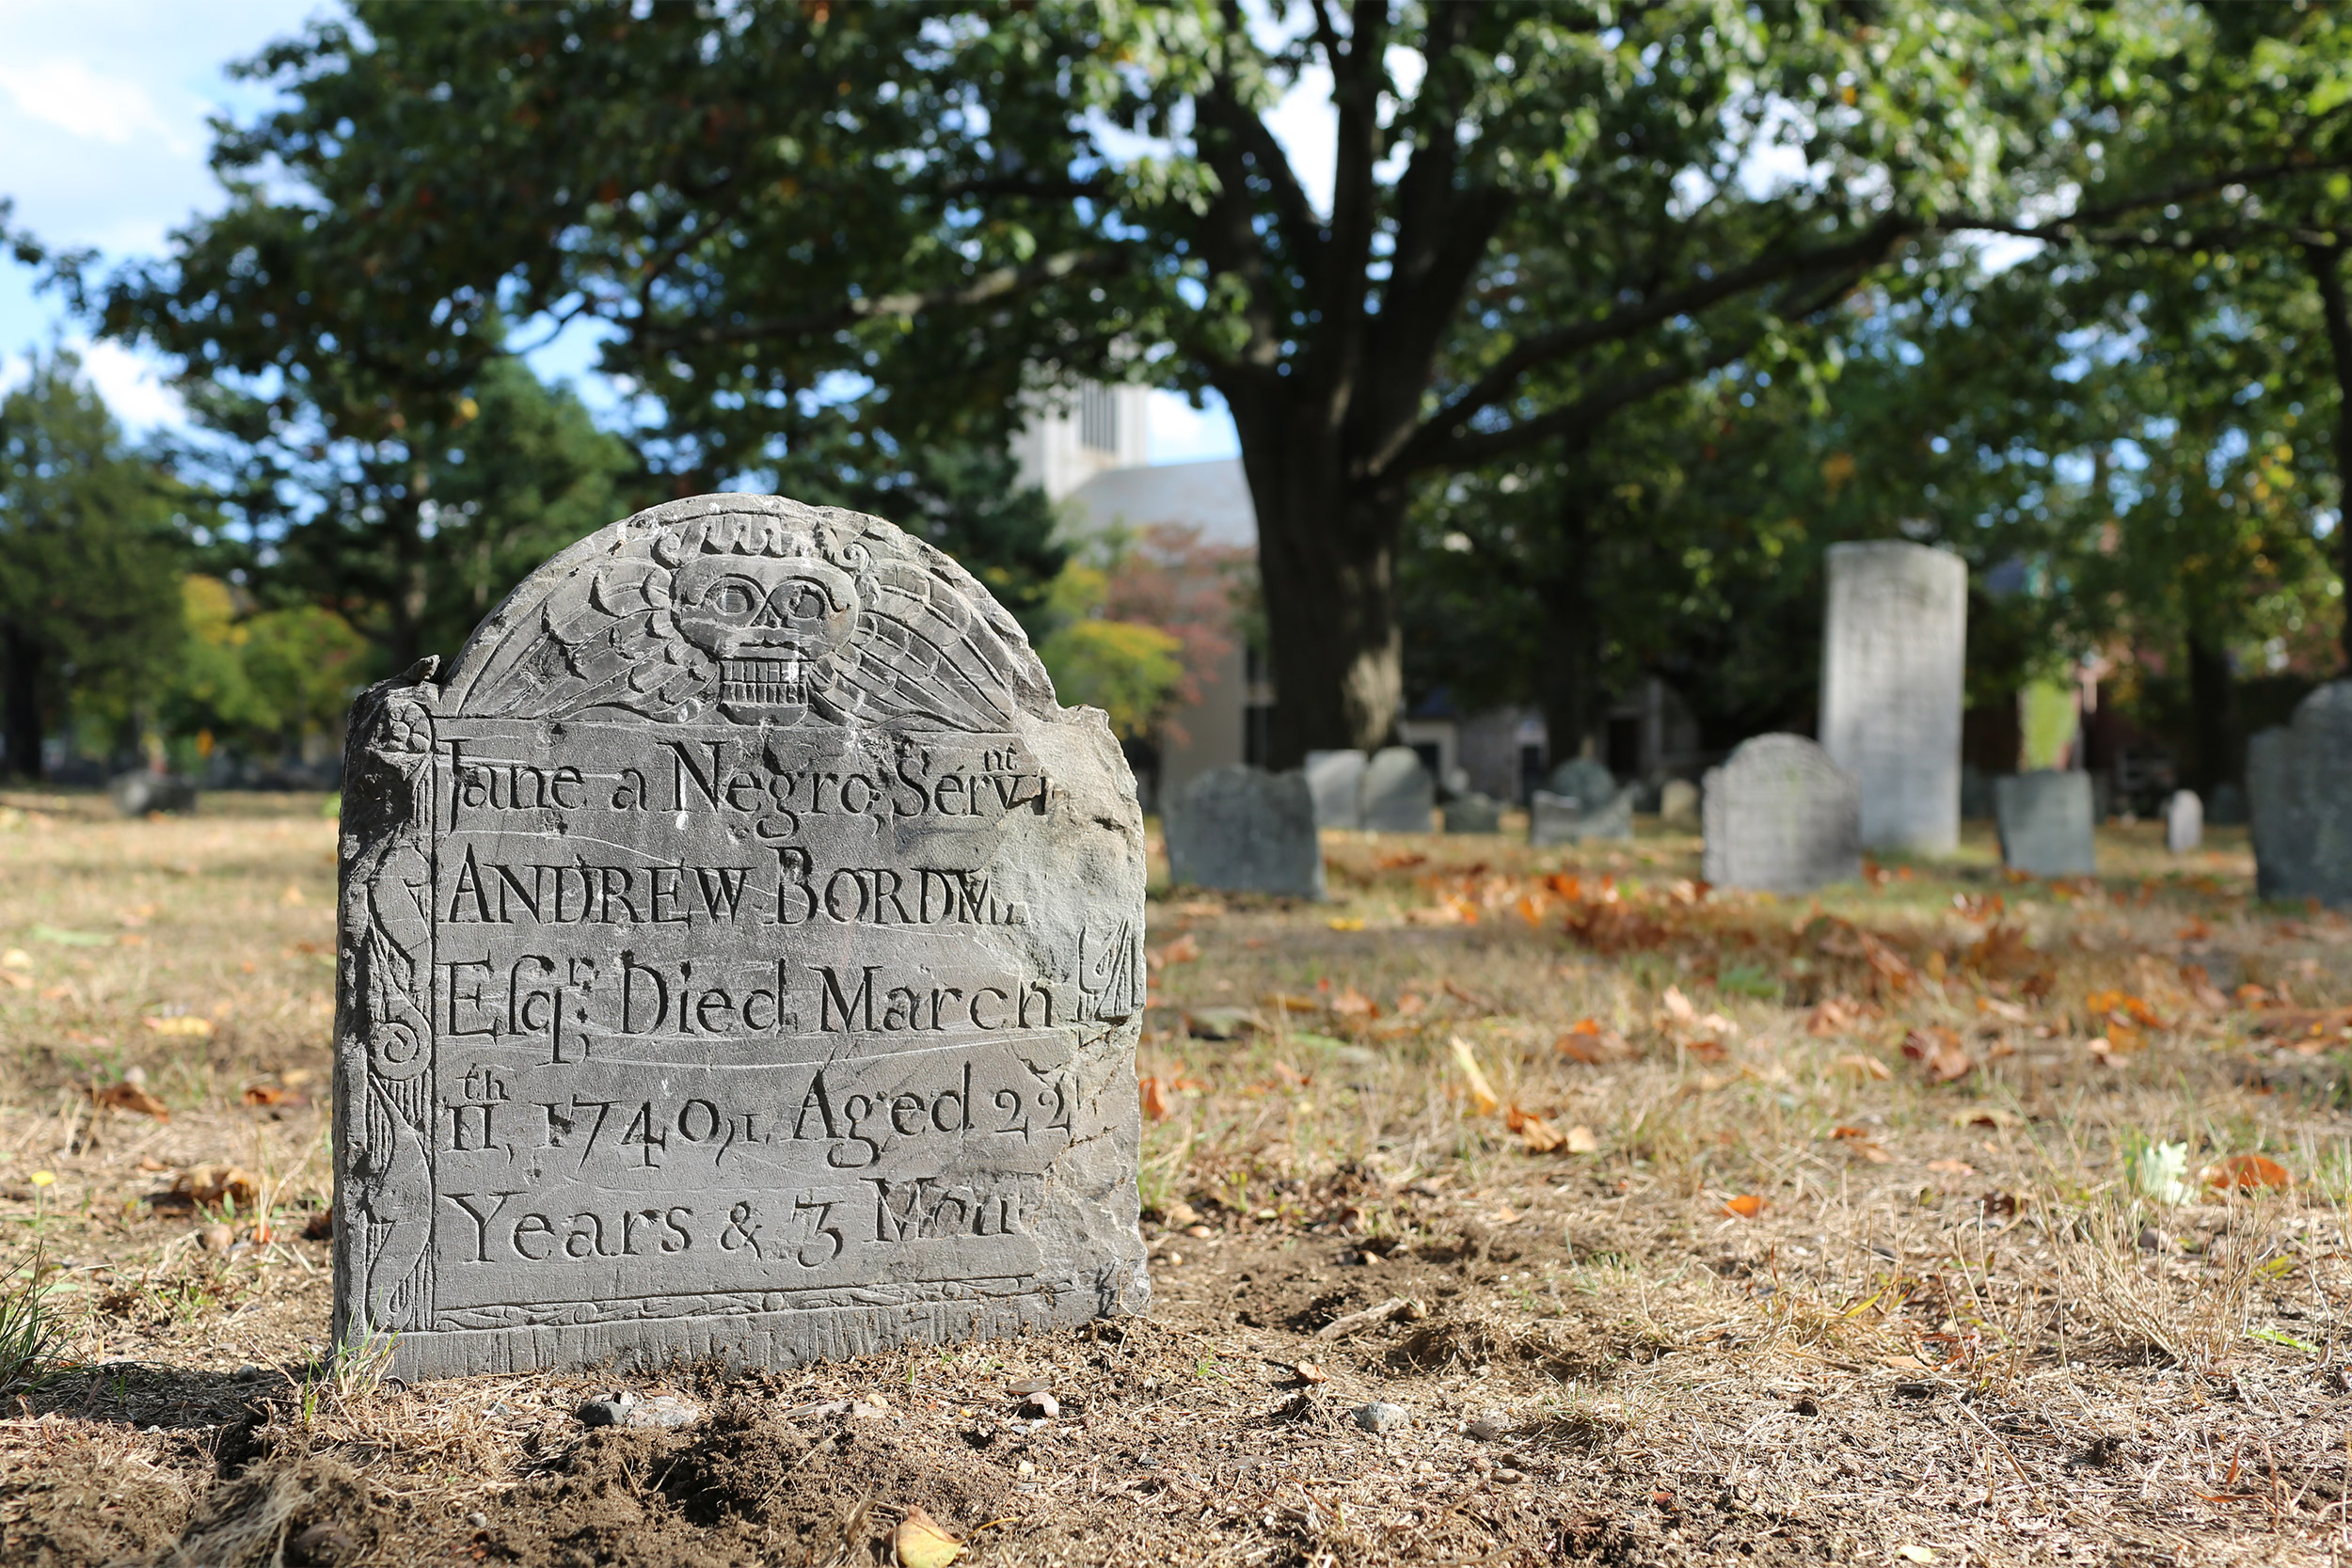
point(763, 682)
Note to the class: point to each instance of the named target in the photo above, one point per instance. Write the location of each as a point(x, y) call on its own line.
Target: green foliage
point(264, 678)
point(31, 1333)
point(1130, 671)
point(90, 548)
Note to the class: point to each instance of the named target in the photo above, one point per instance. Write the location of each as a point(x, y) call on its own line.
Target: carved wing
point(924, 647)
point(607, 639)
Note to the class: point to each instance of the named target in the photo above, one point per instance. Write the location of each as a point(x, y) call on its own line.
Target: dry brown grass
point(1954, 1326)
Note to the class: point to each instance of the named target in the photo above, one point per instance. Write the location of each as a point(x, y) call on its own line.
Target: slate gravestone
point(2302, 810)
point(2044, 820)
point(1562, 819)
point(2227, 807)
point(1337, 781)
point(1473, 813)
point(1893, 653)
point(740, 955)
point(1678, 803)
point(1585, 781)
point(1781, 817)
point(136, 794)
point(1399, 796)
point(1243, 830)
point(2280, 838)
point(2184, 822)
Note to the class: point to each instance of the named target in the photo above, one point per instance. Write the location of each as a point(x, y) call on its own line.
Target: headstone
point(1398, 793)
point(742, 956)
point(2281, 839)
point(1781, 817)
point(1582, 780)
point(2302, 812)
point(1243, 830)
point(1678, 803)
point(1473, 813)
point(2184, 822)
point(1975, 794)
point(1562, 819)
point(1893, 654)
point(2228, 806)
point(1336, 780)
point(2045, 822)
point(138, 793)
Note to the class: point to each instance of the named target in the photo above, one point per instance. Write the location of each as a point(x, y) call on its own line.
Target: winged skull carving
point(768, 616)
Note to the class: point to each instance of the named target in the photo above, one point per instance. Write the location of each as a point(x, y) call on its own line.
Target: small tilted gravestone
point(1580, 800)
point(1473, 813)
point(1336, 779)
point(740, 956)
point(1399, 796)
point(2303, 813)
point(1781, 817)
point(1583, 780)
point(2184, 822)
point(1243, 830)
point(2046, 823)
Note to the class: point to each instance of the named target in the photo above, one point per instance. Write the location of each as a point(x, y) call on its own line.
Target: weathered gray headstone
point(1781, 817)
point(1473, 813)
point(1893, 654)
point(2302, 810)
point(1975, 794)
point(2227, 809)
point(1336, 780)
point(2184, 821)
point(1587, 782)
point(2044, 820)
point(1561, 819)
point(2282, 838)
point(740, 955)
point(138, 793)
point(1398, 793)
point(1243, 830)
point(1678, 803)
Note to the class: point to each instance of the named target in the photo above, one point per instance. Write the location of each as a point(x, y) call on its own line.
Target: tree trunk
point(2326, 270)
point(2213, 717)
point(1326, 560)
point(20, 704)
point(1569, 680)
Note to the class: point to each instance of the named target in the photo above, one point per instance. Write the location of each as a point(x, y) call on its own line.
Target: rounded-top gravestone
point(740, 955)
point(1781, 817)
point(1398, 793)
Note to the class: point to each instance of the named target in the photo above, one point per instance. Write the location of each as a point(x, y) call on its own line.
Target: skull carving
point(774, 624)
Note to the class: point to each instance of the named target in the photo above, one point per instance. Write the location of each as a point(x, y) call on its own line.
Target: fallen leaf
point(2246, 1170)
point(1292, 1076)
point(1914, 1554)
point(1746, 1206)
point(292, 896)
point(1346, 922)
point(1864, 1067)
point(1539, 1135)
point(185, 1026)
point(1156, 1107)
point(2009, 1011)
point(270, 1094)
point(1679, 1006)
point(1952, 1167)
point(1481, 1092)
point(1355, 1004)
point(1183, 950)
point(1986, 1115)
point(1590, 1044)
point(130, 1097)
point(218, 1184)
point(920, 1542)
point(1946, 1058)
point(1310, 1371)
point(16, 957)
point(1285, 1001)
point(1399, 861)
point(1580, 1140)
point(1467, 997)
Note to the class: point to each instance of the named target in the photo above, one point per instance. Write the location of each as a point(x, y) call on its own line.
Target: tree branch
point(1001, 283)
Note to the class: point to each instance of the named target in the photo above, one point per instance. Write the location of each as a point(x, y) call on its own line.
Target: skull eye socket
point(733, 598)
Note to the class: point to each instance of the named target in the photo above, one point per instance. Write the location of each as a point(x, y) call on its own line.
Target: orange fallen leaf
point(232, 1184)
point(1849, 1132)
point(1310, 1371)
point(1183, 950)
point(919, 1542)
point(1946, 1058)
point(1481, 1092)
point(130, 1097)
point(1590, 1044)
point(1284, 1002)
point(1539, 1135)
point(1864, 1067)
point(1156, 1107)
point(1746, 1206)
point(2247, 1170)
point(269, 1094)
point(1355, 1004)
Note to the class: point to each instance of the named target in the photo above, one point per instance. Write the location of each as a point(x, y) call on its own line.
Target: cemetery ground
point(1942, 1218)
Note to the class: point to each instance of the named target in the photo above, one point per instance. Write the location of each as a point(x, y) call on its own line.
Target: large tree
point(825, 235)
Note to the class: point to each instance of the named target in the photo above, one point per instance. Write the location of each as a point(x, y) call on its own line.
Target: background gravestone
point(1336, 782)
point(2046, 823)
point(1561, 819)
point(1583, 780)
point(1239, 829)
point(2302, 810)
point(741, 954)
point(1473, 813)
point(1893, 649)
point(1398, 793)
point(2184, 821)
point(1678, 803)
point(2281, 841)
point(136, 794)
point(1781, 817)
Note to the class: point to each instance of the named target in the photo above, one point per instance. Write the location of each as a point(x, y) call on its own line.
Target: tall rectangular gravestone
point(2301, 809)
point(1894, 653)
point(1781, 817)
point(1240, 828)
point(740, 955)
point(2281, 839)
point(2044, 820)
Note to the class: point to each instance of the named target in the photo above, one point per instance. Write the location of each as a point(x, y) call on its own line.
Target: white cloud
point(1175, 432)
point(130, 383)
point(64, 92)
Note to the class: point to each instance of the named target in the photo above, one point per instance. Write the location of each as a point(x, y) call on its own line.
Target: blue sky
point(103, 111)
